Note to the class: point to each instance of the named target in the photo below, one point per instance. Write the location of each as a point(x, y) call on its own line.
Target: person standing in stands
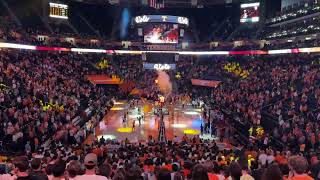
point(272, 172)
point(175, 170)
point(133, 125)
point(235, 171)
point(201, 129)
point(21, 165)
point(90, 162)
point(58, 170)
point(139, 120)
point(315, 167)
point(73, 169)
point(213, 129)
point(36, 170)
point(245, 174)
point(298, 167)
point(199, 172)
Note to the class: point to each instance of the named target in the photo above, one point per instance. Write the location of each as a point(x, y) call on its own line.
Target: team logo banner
point(161, 19)
point(159, 66)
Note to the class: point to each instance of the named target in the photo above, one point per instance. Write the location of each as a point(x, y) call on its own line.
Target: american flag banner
point(156, 4)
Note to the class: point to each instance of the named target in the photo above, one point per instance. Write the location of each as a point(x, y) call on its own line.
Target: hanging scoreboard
point(58, 10)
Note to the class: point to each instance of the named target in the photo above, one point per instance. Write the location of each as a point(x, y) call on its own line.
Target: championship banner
point(206, 83)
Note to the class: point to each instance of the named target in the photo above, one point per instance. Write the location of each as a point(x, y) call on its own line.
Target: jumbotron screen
point(249, 13)
point(161, 33)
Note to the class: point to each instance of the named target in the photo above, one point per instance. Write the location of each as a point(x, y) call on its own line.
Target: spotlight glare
point(179, 125)
point(106, 136)
point(116, 108)
point(191, 113)
point(118, 103)
point(198, 110)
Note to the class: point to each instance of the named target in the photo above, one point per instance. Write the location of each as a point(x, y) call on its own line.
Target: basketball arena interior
point(159, 90)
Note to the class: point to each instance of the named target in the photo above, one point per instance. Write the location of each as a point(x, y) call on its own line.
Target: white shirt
point(7, 177)
point(246, 177)
point(91, 177)
point(263, 159)
point(221, 177)
point(270, 159)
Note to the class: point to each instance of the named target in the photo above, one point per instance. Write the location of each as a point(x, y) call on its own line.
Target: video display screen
point(58, 10)
point(161, 33)
point(249, 13)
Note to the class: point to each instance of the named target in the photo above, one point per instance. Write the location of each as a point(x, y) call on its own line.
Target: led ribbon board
point(161, 19)
point(196, 53)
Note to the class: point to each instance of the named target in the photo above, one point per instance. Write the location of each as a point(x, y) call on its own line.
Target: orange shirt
point(36, 141)
point(186, 172)
point(302, 147)
point(313, 139)
point(149, 168)
point(306, 177)
point(280, 159)
point(97, 151)
point(168, 166)
point(212, 176)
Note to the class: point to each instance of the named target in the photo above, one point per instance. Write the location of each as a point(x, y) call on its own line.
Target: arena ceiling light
point(106, 136)
point(179, 125)
point(191, 113)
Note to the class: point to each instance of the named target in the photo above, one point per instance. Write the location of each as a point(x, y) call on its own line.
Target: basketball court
point(180, 121)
